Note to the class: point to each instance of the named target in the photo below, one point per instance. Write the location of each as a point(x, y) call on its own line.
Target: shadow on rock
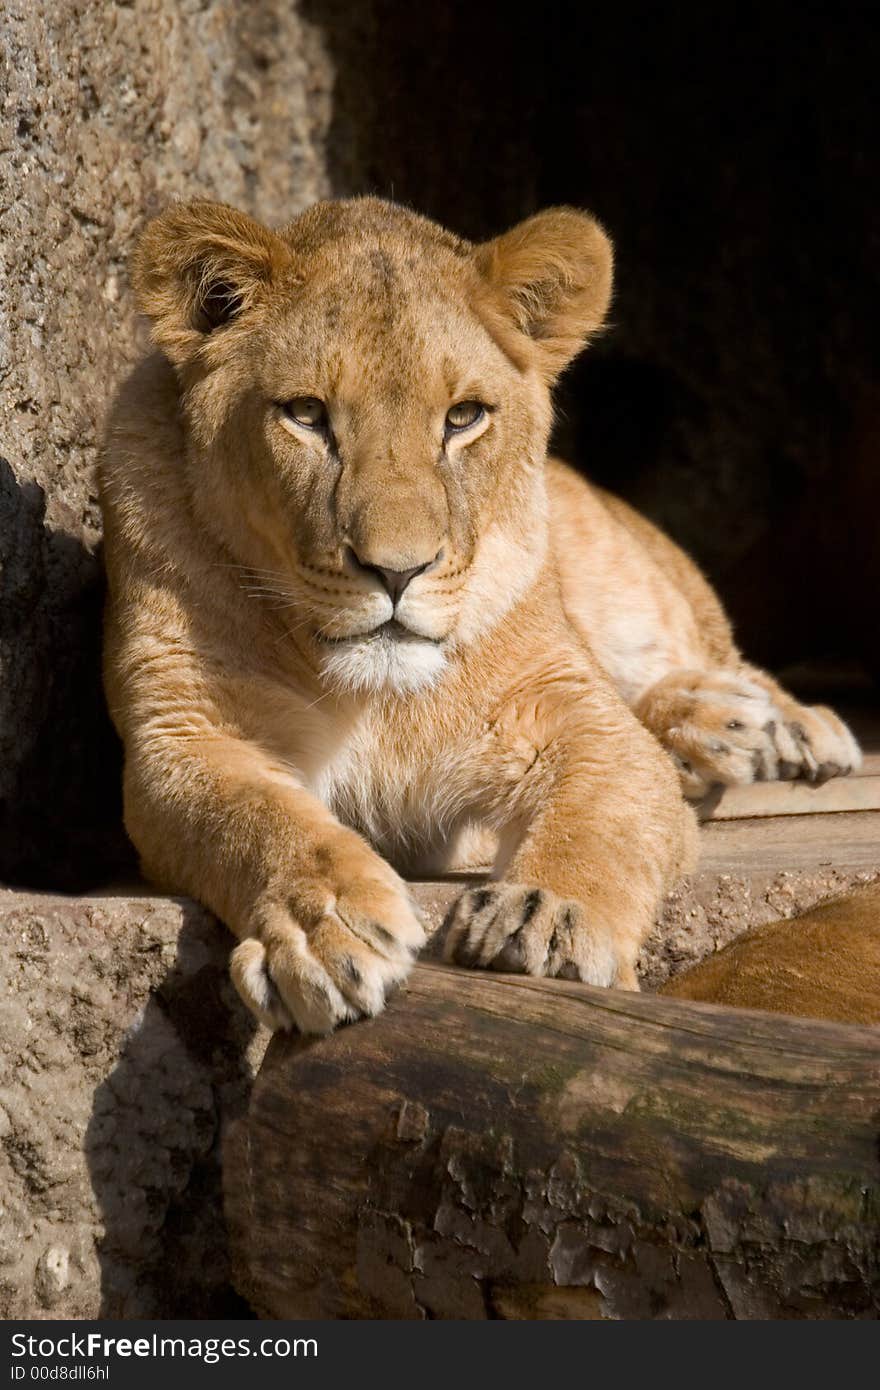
point(153, 1142)
point(60, 759)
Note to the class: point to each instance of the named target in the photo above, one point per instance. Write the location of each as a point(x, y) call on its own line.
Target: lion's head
point(367, 400)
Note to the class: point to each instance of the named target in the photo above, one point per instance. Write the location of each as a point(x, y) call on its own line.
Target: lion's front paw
point(724, 728)
point(825, 745)
point(511, 926)
point(328, 954)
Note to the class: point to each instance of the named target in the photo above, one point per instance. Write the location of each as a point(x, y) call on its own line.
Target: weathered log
point(498, 1146)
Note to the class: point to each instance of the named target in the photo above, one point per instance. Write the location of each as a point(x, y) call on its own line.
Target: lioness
point(355, 611)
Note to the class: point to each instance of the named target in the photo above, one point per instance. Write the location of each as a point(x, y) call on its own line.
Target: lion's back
point(624, 580)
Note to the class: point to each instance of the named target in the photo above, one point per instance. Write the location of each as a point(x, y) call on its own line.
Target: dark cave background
point(731, 151)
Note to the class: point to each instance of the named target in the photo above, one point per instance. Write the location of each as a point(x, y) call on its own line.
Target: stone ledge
point(124, 1049)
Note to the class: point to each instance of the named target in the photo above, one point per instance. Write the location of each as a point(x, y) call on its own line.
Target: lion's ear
point(198, 267)
point(551, 276)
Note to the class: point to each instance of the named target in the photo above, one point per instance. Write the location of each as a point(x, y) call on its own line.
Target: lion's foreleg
point(595, 831)
point(326, 925)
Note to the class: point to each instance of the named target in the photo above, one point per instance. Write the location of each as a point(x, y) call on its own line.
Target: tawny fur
point(284, 746)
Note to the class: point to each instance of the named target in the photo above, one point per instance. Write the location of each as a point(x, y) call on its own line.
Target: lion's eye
point(464, 414)
point(307, 411)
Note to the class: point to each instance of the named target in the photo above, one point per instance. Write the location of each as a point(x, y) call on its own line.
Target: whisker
point(250, 571)
point(318, 701)
point(269, 593)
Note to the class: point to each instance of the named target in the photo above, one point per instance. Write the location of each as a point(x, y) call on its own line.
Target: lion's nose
point(394, 581)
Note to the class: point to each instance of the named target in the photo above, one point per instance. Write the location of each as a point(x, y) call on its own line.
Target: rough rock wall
point(108, 110)
point(123, 1049)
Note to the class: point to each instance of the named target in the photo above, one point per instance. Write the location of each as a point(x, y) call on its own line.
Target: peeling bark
point(502, 1147)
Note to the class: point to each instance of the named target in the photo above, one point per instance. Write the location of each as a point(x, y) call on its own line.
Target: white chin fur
point(383, 664)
